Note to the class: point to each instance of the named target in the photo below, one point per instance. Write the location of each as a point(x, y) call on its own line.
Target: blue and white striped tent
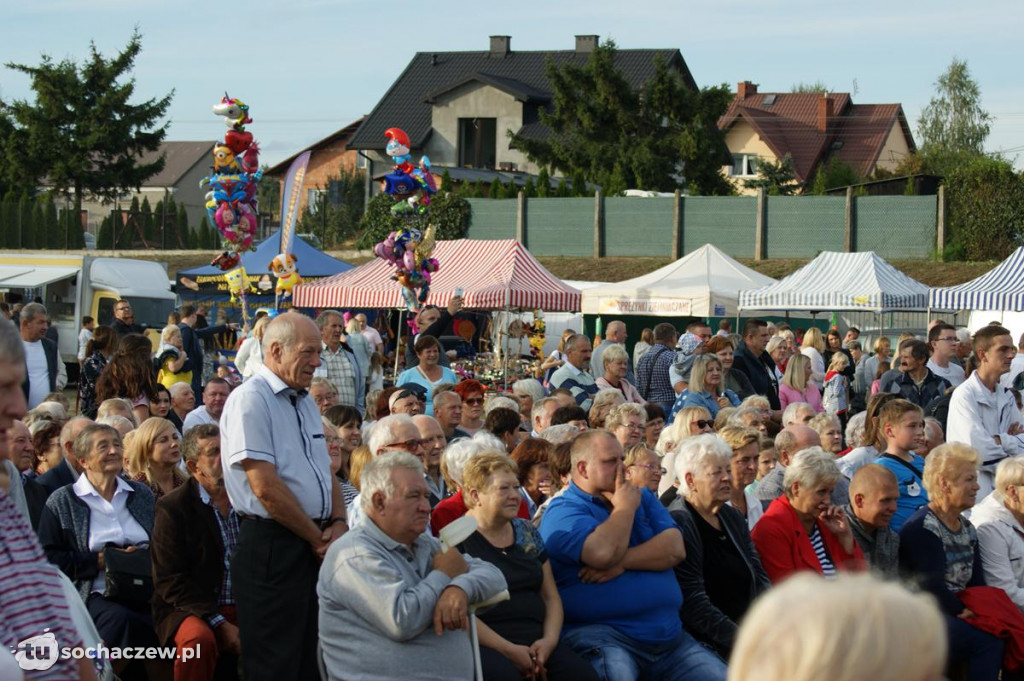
point(1001, 288)
point(841, 281)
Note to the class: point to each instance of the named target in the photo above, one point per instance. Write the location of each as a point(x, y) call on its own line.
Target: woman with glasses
point(722, 572)
point(472, 394)
point(348, 426)
point(654, 425)
point(705, 388)
point(428, 373)
point(626, 423)
point(745, 444)
point(643, 467)
point(689, 421)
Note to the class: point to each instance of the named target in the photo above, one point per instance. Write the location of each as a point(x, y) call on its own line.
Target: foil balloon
point(283, 267)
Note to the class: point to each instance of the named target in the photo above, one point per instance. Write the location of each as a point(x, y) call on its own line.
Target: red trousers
point(193, 632)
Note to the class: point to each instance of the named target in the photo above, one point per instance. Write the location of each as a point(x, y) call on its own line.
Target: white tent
point(705, 283)
point(841, 281)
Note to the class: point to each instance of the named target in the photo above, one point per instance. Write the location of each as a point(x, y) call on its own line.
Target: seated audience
point(519, 637)
point(427, 373)
point(161, 404)
point(605, 400)
point(348, 425)
point(570, 414)
point(323, 393)
point(472, 394)
point(745, 444)
point(802, 530)
point(830, 431)
point(194, 535)
point(528, 392)
point(88, 521)
point(129, 375)
point(46, 446)
point(939, 550)
point(872, 439)
point(615, 362)
point(933, 436)
point(626, 422)
point(612, 549)
point(705, 388)
point(654, 425)
point(154, 455)
point(643, 467)
point(873, 496)
point(392, 605)
point(788, 442)
point(860, 628)
point(797, 386)
point(689, 421)
point(722, 573)
point(531, 457)
point(999, 521)
point(434, 443)
point(503, 424)
point(902, 426)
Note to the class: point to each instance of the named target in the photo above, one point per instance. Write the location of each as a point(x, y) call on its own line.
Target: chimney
point(585, 44)
point(744, 89)
point(500, 46)
point(824, 113)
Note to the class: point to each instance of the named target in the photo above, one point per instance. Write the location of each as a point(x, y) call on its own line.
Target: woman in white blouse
point(101, 510)
point(811, 347)
point(249, 357)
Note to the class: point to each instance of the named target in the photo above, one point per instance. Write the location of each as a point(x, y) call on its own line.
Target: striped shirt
point(827, 568)
point(32, 599)
point(229, 538)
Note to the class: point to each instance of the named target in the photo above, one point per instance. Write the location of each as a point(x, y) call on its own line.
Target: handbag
point(129, 575)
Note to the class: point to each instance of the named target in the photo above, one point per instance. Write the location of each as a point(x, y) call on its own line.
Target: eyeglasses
point(632, 426)
point(950, 340)
point(652, 468)
point(408, 444)
point(703, 423)
point(475, 401)
point(333, 440)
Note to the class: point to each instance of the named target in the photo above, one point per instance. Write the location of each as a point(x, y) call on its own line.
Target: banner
point(290, 199)
point(657, 307)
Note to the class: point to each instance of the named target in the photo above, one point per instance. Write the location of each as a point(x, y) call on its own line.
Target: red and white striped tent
point(493, 274)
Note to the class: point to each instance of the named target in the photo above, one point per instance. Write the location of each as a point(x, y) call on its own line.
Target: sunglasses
point(409, 393)
point(704, 423)
point(475, 401)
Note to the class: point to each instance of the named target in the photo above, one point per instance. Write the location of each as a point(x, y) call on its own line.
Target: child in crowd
point(171, 358)
point(84, 336)
point(902, 424)
point(835, 396)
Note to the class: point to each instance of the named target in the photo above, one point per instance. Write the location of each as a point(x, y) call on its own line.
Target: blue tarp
point(312, 265)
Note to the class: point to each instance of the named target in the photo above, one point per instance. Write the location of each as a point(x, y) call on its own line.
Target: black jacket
point(52, 357)
point(932, 388)
point(756, 369)
point(192, 343)
point(123, 329)
point(700, 616)
point(55, 478)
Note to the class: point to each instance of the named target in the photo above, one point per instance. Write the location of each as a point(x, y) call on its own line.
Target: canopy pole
point(398, 339)
point(504, 366)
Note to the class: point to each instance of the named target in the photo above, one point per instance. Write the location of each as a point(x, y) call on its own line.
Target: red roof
point(494, 275)
point(788, 123)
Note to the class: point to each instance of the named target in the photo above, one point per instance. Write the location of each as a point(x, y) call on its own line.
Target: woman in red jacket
point(802, 530)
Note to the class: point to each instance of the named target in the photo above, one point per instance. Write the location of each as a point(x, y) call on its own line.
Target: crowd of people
point(778, 503)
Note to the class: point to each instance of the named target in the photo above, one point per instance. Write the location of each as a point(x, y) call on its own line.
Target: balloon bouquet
point(409, 248)
point(231, 203)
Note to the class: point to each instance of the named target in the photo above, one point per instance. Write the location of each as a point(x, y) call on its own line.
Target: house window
point(360, 160)
point(743, 165)
point(314, 197)
point(478, 142)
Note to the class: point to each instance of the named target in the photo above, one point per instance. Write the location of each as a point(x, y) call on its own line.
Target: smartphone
point(458, 291)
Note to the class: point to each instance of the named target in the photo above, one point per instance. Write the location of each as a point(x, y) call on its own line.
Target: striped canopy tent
point(841, 281)
point(493, 274)
point(1001, 288)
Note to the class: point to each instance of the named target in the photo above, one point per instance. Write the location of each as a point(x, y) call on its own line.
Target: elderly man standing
point(572, 375)
point(917, 383)
point(790, 440)
point(194, 535)
point(652, 370)
point(614, 334)
point(613, 548)
point(874, 492)
point(982, 413)
point(339, 363)
point(278, 476)
point(44, 367)
point(371, 334)
point(392, 604)
point(215, 395)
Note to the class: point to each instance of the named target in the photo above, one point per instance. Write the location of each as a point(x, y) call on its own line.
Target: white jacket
point(1001, 545)
point(976, 417)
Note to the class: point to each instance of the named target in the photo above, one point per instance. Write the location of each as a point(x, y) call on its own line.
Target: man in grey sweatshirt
point(391, 603)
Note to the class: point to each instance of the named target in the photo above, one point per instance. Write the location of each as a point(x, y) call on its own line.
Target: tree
point(51, 225)
point(954, 122)
point(449, 214)
point(543, 183)
point(37, 233)
point(810, 88)
point(81, 132)
point(106, 235)
point(25, 232)
point(337, 220)
point(661, 136)
point(986, 209)
point(775, 177)
point(478, 190)
point(147, 225)
point(833, 174)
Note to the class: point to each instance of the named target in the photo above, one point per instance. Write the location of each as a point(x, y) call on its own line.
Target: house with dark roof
point(329, 157)
point(812, 128)
point(185, 164)
point(457, 107)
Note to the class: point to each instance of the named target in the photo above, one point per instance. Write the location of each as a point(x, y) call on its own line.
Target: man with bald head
point(873, 495)
point(434, 442)
point(614, 334)
point(788, 442)
point(448, 412)
point(278, 477)
point(67, 472)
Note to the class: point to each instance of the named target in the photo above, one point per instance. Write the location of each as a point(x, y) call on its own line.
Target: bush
point(986, 209)
point(449, 214)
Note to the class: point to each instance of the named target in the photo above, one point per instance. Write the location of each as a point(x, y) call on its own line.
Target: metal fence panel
point(803, 226)
point(727, 222)
point(638, 226)
point(896, 227)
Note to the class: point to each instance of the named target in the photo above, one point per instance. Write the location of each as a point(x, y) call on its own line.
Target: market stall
point(997, 295)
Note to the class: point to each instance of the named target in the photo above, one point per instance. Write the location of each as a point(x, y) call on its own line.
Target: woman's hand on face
point(836, 521)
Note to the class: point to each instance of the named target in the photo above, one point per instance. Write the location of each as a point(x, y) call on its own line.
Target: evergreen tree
point(563, 189)
point(529, 189)
point(543, 183)
point(75, 232)
point(106, 234)
point(159, 228)
point(510, 190)
point(478, 190)
point(55, 237)
point(600, 120)
point(182, 232)
point(579, 184)
point(494, 191)
point(5, 220)
point(446, 181)
point(81, 132)
point(146, 225)
point(37, 236)
point(24, 228)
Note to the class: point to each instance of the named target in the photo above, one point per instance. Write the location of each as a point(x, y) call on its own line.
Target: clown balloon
point(231, 203)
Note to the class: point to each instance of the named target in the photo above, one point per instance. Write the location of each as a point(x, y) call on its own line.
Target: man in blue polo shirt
point(612, 548)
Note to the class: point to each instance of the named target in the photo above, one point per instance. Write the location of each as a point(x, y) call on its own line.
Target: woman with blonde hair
point(745, 445)
point(249, 358)
point(939, 549)
point(689, 421)
point(643, 467)
point(836, 396)
point(153, 455)
point(616, 366)
point(706, 388)
point(858, 626)
point(604, 401)
point(796, 385)
point(999, 520)
point(626, 422)
point(811, 347)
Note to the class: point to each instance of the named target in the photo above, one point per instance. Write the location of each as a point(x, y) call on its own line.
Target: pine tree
point(54, 234)
point(529, 189)
point(563, 189)
point(146, 224)
point(181, 228)
point(159, 228)
point(543, 183)
point(81, 132)
point(25, 231)
point(510, 190)
point(104, 240)
point(446, 181)
point(76, 233)
point(4, 243)
point(494, 191)
point(478, 190)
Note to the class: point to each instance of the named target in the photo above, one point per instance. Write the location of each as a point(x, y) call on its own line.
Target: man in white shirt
point(1016, 366)
point(370, 334)
point(982, 413)
point(215, 394)
point(46, 372)
point(943, 341)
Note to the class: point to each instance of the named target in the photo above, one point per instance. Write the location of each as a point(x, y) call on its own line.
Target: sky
point(309, 67)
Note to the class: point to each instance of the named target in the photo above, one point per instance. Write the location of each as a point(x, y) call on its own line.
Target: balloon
point(238, 284)
point(231, 203)
point(283, 267)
